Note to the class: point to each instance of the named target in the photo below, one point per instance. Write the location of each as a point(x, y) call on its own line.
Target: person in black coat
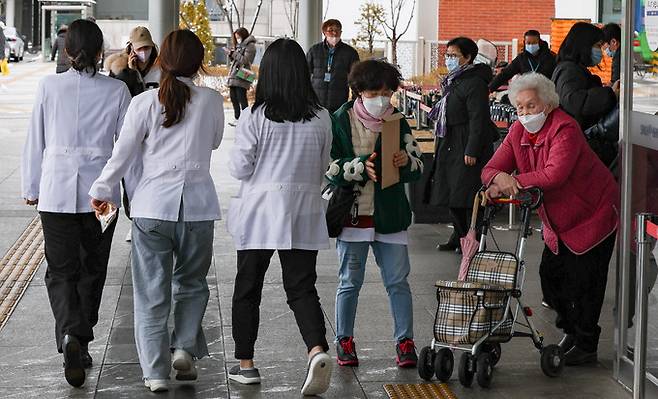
point(465, 136)
point(612, 44)
point(536, 57)
point(63, 61)
point(582, 94)
point(3, 41)
point(330, 62)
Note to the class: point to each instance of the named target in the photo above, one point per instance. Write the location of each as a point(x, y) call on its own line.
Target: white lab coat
point(281, 166)
point(175, 160)
point(152, 79)
point(75, 120)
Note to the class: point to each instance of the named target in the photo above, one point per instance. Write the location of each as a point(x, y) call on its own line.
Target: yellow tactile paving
point(18, 266)
point(419, 391)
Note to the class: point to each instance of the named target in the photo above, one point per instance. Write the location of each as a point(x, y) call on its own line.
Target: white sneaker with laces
point(184, 365)
point(318, 375)
point(156, 385)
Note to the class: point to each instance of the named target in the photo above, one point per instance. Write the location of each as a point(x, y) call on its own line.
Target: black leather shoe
point(74, 372)
point(577, 356)
point(567, 342)
point(86, 358)
point(448, 246)
point(545, 304)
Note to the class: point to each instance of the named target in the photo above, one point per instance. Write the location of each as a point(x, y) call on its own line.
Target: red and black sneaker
point(346, 352)
point(406, 350)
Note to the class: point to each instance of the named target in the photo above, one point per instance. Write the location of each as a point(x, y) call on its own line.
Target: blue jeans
point(170, 261)
point(393, 262)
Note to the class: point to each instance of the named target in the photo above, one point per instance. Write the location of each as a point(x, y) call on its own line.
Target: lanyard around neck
point(330, 58)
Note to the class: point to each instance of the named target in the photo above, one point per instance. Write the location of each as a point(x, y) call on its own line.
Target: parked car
point(16, 43)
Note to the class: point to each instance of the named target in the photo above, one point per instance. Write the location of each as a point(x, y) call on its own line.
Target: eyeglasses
point(452, 56)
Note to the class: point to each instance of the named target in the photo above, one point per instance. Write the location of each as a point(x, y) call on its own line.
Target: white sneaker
point(156, 385)
point(318, 375)
point(184, 365)
point(129, 236)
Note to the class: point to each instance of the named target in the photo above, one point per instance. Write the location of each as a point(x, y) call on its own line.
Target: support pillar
point(163, 18)
point(11, 13)
point(310, 23)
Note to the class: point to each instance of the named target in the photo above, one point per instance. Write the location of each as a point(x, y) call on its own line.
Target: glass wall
point(639, 181)
point(122, 9)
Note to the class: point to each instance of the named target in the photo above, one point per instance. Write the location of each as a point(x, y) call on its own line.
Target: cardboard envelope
point(390, 145)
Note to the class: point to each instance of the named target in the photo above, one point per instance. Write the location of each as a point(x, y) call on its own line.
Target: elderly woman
point(548, 150)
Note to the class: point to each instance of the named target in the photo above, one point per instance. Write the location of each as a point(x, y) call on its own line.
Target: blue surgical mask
point(532, 48)
point(609, 52)
point(452, 64)
point(597, 56)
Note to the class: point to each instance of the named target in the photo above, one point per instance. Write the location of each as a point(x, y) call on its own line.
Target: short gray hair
point(543, 86)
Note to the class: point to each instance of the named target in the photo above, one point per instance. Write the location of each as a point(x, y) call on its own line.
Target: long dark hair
point(83, 44)
point(577, 46)
point(284, 84)
point(181, 55)
point(243, 33)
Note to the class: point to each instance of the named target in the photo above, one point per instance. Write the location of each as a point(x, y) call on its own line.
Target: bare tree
point(392, 28)
point(235, 14)
point(253, 22)
point(291, 8)
point(371, 14)
point(228, 14)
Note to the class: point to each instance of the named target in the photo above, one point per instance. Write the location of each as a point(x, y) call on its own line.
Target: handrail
point(645, 228)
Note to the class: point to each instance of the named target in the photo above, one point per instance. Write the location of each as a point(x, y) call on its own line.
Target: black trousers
point(576, 284)
point(461, 221)
point(298, 267)
point(238, 99)
point(77, 254)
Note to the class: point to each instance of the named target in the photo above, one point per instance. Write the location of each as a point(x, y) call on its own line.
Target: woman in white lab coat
point(172, 131)
point(76, 118)
point(281, 151)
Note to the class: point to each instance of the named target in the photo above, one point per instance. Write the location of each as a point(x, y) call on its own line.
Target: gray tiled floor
point(31, 368)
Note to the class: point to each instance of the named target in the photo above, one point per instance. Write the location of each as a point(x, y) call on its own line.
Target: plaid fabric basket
point(498, 268)
point(468, 311)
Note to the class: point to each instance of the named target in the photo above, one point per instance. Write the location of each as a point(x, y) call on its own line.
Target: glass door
point(639, 186)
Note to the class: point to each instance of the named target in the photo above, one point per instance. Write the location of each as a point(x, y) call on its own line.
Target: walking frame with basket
point(476, 315)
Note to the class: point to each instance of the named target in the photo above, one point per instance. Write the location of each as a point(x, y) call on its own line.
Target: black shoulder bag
point(342, 201)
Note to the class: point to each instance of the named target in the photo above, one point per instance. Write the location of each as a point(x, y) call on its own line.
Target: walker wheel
point(466, 369)
point(495, 350)
point(484, 369)
point(552, 360)
point(426, 363)
point(444, 362)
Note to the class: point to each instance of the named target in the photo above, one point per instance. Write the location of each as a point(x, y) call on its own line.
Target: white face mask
point(533, 123)
point(333, 40)
point(143, 55)
point(376, 106)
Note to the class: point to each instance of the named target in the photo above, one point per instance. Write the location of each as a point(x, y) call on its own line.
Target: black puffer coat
point(335, 93)
point(583, 96)
point(470, 132)
point(543, 62)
